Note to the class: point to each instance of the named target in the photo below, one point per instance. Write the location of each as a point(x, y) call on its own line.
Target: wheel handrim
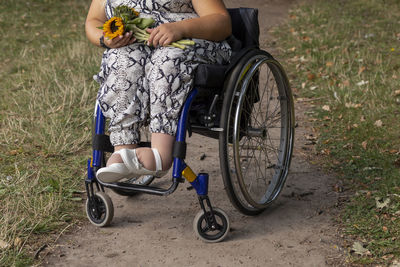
point(258, 136)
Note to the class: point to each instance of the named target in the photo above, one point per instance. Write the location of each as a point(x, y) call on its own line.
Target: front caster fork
point(210, 224)
point(209, 215)
point(90, 183)
point(99, 207)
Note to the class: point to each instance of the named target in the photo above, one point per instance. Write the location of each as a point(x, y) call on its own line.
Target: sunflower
point(113, 27)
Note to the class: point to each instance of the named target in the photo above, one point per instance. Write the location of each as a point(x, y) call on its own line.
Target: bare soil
point(297, 230)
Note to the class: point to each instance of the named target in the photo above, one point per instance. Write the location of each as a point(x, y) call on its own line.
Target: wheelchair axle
point(256, 132)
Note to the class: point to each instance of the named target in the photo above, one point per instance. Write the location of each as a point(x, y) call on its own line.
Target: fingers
point(121, 40)
point(133, 39)
point(156, 39)
point(153, 33)
point(164, 40)
point(160, 36)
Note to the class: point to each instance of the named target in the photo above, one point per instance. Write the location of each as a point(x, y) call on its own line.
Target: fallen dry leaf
point(325, 152)
point(361, 83)
point(13, 152)
point(364, 144)
point(397, 92)
point(352, 105)
point(384, 228)
point(338, 188)
point(378, 123)
point(303, 59)
point(382, 203)
point(358, 248)
point(348, 145)
point(17, 242)
point(4, 244)
point(326, 108)
point(329, 64)
point(310, 137)
point(361, 70)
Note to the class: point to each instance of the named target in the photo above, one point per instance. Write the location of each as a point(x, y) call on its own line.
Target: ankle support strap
point(157, 158)
point(131, 160)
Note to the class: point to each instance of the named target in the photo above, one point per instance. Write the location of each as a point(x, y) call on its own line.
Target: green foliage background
point(46, 101)
point(344, 58)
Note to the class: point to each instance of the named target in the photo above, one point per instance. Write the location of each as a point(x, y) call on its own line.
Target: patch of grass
point(344, 58)
point(46, 103)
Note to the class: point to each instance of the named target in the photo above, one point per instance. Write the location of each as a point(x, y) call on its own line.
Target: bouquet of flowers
point(127, 19)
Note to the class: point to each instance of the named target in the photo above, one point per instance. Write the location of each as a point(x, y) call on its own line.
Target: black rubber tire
point(236, 120)
point(216, 235)
point(101, 212)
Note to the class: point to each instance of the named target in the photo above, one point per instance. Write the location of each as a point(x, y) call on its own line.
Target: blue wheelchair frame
point(180, 168)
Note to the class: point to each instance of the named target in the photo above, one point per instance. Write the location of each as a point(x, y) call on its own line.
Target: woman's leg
point(116, 158)
point(164, 144)
point(124, 96)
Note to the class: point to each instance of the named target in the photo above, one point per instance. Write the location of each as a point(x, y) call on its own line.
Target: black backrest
point(245, 27)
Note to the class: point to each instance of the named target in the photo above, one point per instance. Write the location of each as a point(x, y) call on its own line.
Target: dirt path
point(152, 231)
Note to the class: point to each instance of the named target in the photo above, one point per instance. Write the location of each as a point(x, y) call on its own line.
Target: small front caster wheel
point(100, 209)
point(210, 230)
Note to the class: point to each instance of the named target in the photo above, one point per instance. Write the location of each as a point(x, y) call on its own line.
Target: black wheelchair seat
point(245, 36)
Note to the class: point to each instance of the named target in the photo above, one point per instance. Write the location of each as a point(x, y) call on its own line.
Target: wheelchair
point(248, 106)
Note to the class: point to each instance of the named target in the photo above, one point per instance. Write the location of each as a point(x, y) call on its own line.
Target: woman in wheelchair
point(144, 84)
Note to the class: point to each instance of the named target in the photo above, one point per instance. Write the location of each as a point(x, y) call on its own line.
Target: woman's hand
point(164, 34)
point(120, 41)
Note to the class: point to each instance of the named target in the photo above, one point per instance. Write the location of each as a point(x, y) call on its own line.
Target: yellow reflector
point(189, 174)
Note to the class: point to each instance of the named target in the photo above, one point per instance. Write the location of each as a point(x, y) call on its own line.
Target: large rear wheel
point(257, 142)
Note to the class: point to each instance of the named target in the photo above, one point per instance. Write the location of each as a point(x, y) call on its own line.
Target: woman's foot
point(113, 173)
point(124, 163)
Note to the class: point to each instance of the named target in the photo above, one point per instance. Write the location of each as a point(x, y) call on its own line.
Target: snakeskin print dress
point(142, 85)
